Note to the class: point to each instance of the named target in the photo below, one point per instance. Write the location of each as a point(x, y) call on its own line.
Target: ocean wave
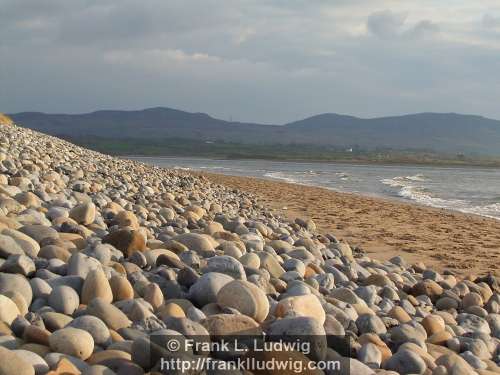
point(403, 181)
point(216, 167)
point(416, 177)
point(421, 195)
point(342, 176)
point(282, 176)
point(489, 210)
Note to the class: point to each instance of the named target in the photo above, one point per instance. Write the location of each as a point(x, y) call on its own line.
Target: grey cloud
point(387, 24)
point(424, 28)
point(491, 21)
point(254, 60)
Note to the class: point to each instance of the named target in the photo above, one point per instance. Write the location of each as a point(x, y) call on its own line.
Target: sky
point(269, 61)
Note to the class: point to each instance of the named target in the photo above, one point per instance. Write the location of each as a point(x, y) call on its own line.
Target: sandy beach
point(383, 228)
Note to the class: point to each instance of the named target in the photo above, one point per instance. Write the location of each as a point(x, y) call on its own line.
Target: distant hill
point(436, 132)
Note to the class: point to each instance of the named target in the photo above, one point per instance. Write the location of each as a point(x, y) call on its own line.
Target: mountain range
point(436, 132)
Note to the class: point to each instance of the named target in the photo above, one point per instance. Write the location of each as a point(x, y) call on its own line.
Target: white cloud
point(156, 57)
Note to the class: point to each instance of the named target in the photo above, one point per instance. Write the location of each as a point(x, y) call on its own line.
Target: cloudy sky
point(269, 61)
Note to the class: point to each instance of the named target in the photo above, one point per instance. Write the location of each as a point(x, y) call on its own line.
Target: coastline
point(383, 228)
point(444, 164)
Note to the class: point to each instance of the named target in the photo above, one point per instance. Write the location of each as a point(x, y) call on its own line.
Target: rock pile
point(99, 255)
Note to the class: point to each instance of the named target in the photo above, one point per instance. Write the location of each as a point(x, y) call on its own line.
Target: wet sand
point(383, 228)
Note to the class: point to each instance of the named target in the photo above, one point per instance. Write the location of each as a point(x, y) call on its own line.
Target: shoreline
point(493, 165)
point(443, 239)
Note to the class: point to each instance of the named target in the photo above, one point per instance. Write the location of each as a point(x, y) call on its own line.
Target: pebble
point(370, 324)
point(121, 288)
point(454, 364)
point(39, 365)
point(302, 328)
point(406, 362)
point(28, 244)
point(12, 363)
point(19, 300)
point(269, 262)
point(95, 326)
point(8, 247)
point(171, 310)
point(54, 252)
point(399, 314)
point(65, 364)
point(72, 341)
point(84, 213)
point(20, 264)
point(305, 305)
point(8, 310)
point(153, 295)
point(408, 333)
point(433, 324)
point(127, 241)
point(227, 265)
point(126, 219)
point(201, 243)
point(36, 334)
point(370, 355)
point(251, 260)
point(54, 321)
point(228, 324)
point(446, 303)
point(472, 299)
point(439, 338)
point(96, 285)
point(39, 232)
point(64, 299)
point(206, 288)
point(245, 297)
point(109, 314)
point(80, 264)
point(427, 288)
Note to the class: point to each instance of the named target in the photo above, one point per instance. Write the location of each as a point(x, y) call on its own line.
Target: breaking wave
point(284, 177)
point(403, 180)
point(411, 190)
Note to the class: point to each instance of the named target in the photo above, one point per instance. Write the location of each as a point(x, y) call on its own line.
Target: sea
point(474, 190)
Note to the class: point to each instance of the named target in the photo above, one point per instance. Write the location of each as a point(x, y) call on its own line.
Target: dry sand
point(443, 239)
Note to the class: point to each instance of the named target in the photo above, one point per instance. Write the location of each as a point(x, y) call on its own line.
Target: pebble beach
point(100, 257)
